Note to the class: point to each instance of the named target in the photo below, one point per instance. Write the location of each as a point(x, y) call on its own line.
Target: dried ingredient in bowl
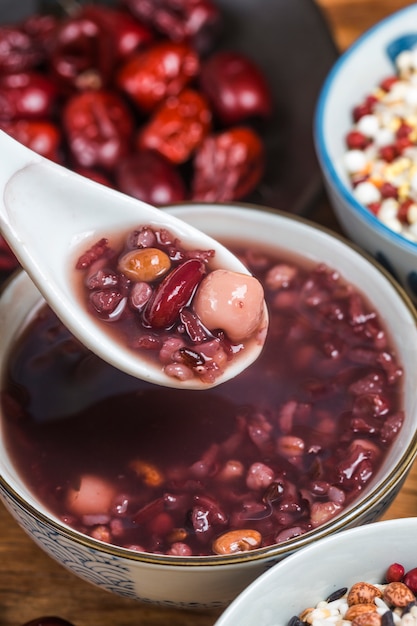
point(391, 602)
point(171, 304)
point(280, 450)
point(103, 90)
point(381, 157)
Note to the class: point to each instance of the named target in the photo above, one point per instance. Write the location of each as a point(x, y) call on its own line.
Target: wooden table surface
point(31, 584)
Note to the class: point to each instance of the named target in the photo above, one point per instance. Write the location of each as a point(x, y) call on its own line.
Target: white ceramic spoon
point(47, 211)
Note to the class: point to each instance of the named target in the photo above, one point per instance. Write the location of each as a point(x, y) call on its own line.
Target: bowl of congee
point(180, 496)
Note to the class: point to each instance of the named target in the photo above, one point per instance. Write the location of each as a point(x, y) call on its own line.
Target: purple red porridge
point(172, 304)
point(265, 457)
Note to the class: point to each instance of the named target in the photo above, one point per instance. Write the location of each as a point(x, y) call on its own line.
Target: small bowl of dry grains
point(365, 576)
point(366, 142)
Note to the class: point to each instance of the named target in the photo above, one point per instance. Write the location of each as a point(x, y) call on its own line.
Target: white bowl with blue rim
point(354, 75)
point(313, 574)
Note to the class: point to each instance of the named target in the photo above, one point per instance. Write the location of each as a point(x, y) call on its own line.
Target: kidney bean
point(173, 294)
point(124, 33)
point(196, 21)
point(162, 70)
point(145, 264)
point(148, 176)
point(228, 165)
point(27, 95)
point(81, 56)
point(395, 573)
point(98, 126)
point(235, 87)
point(178, 127)
point(41, 136)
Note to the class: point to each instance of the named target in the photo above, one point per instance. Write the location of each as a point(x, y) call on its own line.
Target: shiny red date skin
point(29, 95)
point(81, 55)
point(173, 293)
point(195, 21)
point(178, 127)
point(19, 52)
point(126, 34)
point(98, 126)
point(162, 70)
point(42, 136)
point(235, 87)
point(149, 177)
point(228, 166)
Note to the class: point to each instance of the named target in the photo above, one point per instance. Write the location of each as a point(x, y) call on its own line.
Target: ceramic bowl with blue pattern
point(214, 581)
point(355, 74)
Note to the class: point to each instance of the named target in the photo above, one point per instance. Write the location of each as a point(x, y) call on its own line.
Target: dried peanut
point(145, 264)
point(358, 609)
point(241, 540)
point(398, 594)
point(372, 618)
point(305, 616)
point(363, 593)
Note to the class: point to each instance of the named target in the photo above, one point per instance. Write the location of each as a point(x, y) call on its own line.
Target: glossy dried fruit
point(29, 95)
point(178, 127)
point(41, 136)
point(148, 176)
point(228, 166)
point(162, 70)
point(196, 21)
point(173, 294)
point(81, 55)
point(18, 50)
point(235, 87)
point(145, 264)
point(98, 126)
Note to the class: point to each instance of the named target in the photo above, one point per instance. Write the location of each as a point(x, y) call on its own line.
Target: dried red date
point(228, 165)
point(163, 70)
point(98, 126)
point(196, 21)
point(26, 95)
point(173, 294)
point(178, 127)
point(150, 177)
point(81, 55)
point(126, 34)
point(41, 136)
point(18, 51)
point(235, 87)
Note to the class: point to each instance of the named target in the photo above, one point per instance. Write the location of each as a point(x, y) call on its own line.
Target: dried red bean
point(395, 573)
point(173, 294)
point(410, 579)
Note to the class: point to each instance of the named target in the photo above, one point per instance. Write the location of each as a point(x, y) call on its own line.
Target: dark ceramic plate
point(291, 42)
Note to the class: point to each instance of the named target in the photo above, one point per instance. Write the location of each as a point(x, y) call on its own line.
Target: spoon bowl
point(48, 211)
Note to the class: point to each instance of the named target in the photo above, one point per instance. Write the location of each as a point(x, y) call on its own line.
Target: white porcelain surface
point(311, 575)
point(48, 214)
point(215, 581)
point(355, 74)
